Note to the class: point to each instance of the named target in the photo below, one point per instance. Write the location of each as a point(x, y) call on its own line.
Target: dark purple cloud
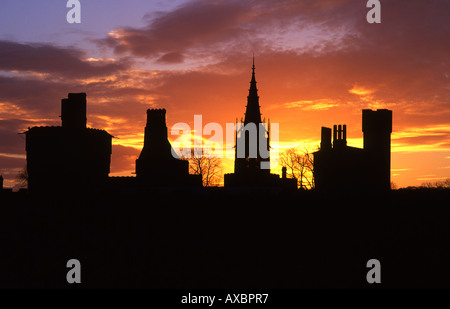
point(171, 58)
point(198, 22)
point(44, 58)
point(10, 140)
point(36, 98)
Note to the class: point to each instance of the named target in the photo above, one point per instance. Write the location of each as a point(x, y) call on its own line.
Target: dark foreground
point(222, 239)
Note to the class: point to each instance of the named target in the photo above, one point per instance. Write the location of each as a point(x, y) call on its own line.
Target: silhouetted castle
point(156, 165)
point(341, 167)
point(253, 168)
point(70, 156)
point(76, 158)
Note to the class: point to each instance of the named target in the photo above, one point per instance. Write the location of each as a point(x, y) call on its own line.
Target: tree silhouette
point(393, 186)
point(22, 176)
point(210, 167)
point(300, 164)
point(442, 184)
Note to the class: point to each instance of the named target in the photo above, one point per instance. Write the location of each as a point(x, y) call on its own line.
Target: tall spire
point(253, 113)
point(253, 89)
point(251, 164)
point(253, 67)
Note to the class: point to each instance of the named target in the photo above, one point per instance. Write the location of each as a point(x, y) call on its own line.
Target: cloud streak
point(46, 58)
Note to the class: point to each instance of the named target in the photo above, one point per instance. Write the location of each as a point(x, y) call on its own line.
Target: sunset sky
point(318, 63)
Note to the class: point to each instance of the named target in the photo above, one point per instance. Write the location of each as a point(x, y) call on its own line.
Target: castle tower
point(156, 143)
point(377, 129)
point(157, 149)
point(325, 140)
point(156, 165)
point(251, 162)
point(73, 111)
point(71, 157)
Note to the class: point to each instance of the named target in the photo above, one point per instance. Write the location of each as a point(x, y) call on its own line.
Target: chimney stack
point(73, 111)
point(339, 135)
point(325, 142)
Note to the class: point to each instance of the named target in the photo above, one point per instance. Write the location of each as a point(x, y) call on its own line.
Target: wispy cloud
point(428, 178)
point(46, 58)
point(312, 105)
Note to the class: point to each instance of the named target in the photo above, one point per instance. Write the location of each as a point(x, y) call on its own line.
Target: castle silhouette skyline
point(162, 229)
point(77, 158)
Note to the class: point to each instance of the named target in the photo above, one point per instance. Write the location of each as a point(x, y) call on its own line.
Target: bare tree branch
point(300, 164)
point(442, 184)
point(22, 176)
point(210, 167)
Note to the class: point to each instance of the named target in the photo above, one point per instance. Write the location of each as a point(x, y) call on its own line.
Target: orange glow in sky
point(318, 63)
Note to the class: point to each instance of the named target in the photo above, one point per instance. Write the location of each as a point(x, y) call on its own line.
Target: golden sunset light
point(311, 72)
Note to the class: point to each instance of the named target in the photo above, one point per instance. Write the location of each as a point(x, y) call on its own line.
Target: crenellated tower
point(377, 129)
point(156, 165)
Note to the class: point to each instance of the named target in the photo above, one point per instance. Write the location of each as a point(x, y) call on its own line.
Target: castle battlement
point(156, 116)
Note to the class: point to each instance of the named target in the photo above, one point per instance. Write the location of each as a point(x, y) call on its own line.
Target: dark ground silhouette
point(222, 238)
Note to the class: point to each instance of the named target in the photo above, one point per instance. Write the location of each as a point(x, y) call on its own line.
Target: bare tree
point(22, 176)
point(393, 186)
point(442, 184)
point(210, 167)
point(300, 164)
